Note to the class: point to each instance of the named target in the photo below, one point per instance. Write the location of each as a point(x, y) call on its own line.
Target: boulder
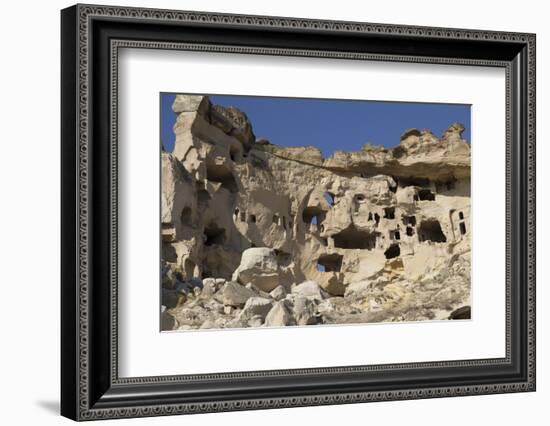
point(208, 324)
point(259, 267)
point(235, 294)
point(309, 289)
point(304, 310)
point(255, 321)
point(258, 291)
point(255, 306)
point(279, 315)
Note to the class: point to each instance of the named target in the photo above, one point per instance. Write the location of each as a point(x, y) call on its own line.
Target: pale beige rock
point(190, 103)
point(256, 307)
point(308, 289)
point(259, 267)
point(235, 294)
point(279, 315)
point(386, 232)
point(304, 310)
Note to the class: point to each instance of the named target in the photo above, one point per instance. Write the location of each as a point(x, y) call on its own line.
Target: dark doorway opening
point(392, 251)
point(330, 262)
point(430, 230)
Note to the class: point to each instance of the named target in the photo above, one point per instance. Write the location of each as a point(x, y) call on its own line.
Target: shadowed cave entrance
point(313, 215)
point(353, 238)
point(392, 251)
point(430, 230)
point(214, 235)
point(330, 262)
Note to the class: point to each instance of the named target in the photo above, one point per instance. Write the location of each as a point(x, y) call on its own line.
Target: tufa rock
point(309, 289)
point(304, 310)
point(235, 294)
point(259, 267)
point(279, 315)
point(255, 307)
point(384, 232)
point(190, 103)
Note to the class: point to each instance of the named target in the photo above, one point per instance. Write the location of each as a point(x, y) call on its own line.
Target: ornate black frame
point(91, 37)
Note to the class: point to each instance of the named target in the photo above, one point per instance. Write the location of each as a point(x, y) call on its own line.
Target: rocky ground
point(214, 303)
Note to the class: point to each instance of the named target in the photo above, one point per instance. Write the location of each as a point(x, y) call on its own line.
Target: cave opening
point(214, 235)
point(462, 228)
point(312, 215)
point(426, 195)
point(409, 220)
point(234, 153)
point(377, 218)
point(353, 238)
point(411, 181)
point(430, 230)
point(409, 231)
point(389, 213)
point(392, 251)
point(358, 199)
point(460, 215)
point(330, 262)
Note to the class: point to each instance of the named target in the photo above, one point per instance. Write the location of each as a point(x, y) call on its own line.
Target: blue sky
point(330, 124)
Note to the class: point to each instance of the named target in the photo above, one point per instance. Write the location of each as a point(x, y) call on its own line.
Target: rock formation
point(255, 234)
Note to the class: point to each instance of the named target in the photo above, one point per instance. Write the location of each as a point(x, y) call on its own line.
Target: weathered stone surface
point(278, 293)
point(235, 294)
point(309, 289)
point(234, 122)
point(304, 310)
point(258, 291)
point(256, 306)
point(385, 233)
point(279, 315)
point(259, 267)
point(189, 103)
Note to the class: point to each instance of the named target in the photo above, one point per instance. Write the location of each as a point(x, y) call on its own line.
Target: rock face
point(374, 235)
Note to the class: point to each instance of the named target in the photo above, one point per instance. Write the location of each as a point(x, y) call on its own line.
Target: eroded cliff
point(256, 234)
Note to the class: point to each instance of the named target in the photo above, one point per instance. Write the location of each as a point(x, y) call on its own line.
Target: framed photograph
point(263, 212)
